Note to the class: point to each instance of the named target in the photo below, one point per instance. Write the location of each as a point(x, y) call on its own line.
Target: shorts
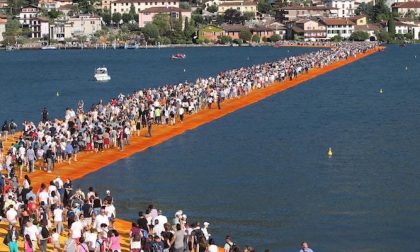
point(106, 141)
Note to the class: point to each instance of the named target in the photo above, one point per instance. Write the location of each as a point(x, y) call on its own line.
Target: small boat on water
point(101, 74)
point(178, 56)
point(49, 47)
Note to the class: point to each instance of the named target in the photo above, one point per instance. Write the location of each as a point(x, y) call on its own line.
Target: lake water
point(262, 174)
point(30, 80)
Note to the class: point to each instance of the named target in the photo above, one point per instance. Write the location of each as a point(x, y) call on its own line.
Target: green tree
point(212, 8)
point(106, 17)
point(189, 29)
point(381, 11)
point(248, 15)
point(13, 28)
point(256, 38)
point(391, 27)
point(245, 35)
point(359, 36)
point(264, 6)
point(185, 5)
point(13, 6)
point(151, 32)
point(198, 19)
point(367, 10)
point(178, 36)
point(53, 14)
point(223, 39)
point(116, 18)
point(383, 36)
point(132, 13)
point(409, 36)
point(337, 38)
point(126, 18)
point(233, 16)
point(275, 38)
point(162, 22)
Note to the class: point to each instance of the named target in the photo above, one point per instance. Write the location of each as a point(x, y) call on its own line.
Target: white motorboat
point(49, 47)
point(101, 74)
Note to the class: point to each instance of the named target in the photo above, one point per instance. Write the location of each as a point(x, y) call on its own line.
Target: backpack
point(232, 246)
point(44, 232)
point(70, 214)
point(198, 234)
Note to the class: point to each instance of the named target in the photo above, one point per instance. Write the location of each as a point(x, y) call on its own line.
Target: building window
point(163, 3)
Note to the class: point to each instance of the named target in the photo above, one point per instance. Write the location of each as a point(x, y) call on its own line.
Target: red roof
point(141, 1)
point(337, 21)
point(407, 5)
point(308, 8)
point(163, 10)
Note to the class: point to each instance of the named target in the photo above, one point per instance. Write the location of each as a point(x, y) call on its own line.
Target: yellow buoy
point(381, 91)
point(58, 94)
point(330, 153)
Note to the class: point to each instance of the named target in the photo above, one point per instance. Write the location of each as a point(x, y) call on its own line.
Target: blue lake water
point(262, 174)
point(30, 80)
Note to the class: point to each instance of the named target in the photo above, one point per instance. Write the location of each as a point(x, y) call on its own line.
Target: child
point(55, 240)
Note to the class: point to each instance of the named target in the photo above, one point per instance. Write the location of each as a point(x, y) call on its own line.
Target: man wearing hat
point(205, 231)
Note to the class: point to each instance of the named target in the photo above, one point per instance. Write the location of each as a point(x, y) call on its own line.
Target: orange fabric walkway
point(90, 162)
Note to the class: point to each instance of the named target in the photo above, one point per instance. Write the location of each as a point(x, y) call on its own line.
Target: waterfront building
point(210, 32)
point(345, 8)
point(146, 16)
point(404, 28)
point(292, 13)
point(27, 14)
point(370, 29)
point(343, 27)
point(307, 29)
point(123, 6)
point(241, 6)
point(402, 8)
point(278, 29)
point(72, 27)
point(29, 19)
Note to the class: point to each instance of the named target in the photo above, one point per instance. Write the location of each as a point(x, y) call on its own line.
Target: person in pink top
point(28, 244)
point(114, 241)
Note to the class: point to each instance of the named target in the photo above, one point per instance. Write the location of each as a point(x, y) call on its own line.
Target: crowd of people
point(40, 216)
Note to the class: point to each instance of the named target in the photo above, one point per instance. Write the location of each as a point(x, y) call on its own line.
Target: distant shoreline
point(122, 47)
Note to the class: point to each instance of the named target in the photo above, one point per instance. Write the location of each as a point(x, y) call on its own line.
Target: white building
point(123, 6)
point(26, 14)
point(345, 7)
point(338, 26)
point(83, 25)
point(2, 28)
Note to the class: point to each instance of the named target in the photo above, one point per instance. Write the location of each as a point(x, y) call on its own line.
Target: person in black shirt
point(142, 222)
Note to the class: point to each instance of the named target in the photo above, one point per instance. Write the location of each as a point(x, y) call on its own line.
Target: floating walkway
point(90, 162)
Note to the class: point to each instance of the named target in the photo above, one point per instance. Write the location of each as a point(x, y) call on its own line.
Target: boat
point(178, 56)
point(49, 47)
point(101, 74)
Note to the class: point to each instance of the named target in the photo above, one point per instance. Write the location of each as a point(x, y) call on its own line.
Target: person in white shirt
point(76, 229)
point(43, 197)
point(102, 218)
point(32, 231)
point(205, 231)
point(11, 215)
point(58, 219)
point(212, 246)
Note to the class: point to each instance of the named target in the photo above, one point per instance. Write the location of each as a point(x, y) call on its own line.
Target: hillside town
point(137, 23)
